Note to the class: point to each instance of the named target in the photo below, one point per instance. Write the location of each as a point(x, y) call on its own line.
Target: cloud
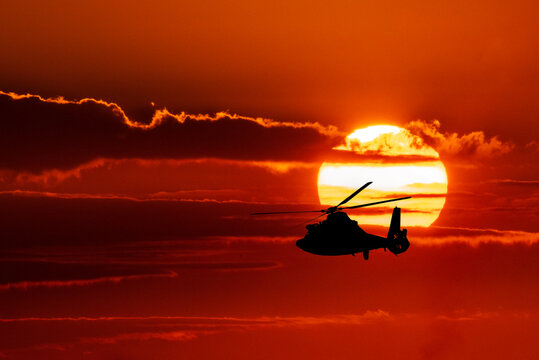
point(532, 183)
point(438, 235)
point(211, 180)
point(161, 115)
point(533, 145)
point(103, 221)
point(234, 321)
point(474, 144)
point(473, 316)
point(25, 285)
point(145, 336)
point(417, 195)
point(55, 176)
point(38, 134)
point(120, 334)
point(393, 146)
point(419, 141)
point(354, 153)
point(117, 329)
point(431, 236)
point(100, 221)
point(160, 196)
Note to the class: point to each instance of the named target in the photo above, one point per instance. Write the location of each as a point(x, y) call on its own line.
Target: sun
point(399, 164)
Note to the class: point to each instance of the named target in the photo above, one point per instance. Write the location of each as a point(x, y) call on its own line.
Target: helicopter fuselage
point(332, 245)
point(339, 235)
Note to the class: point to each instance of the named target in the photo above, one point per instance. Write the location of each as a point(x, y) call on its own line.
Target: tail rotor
point(397, 240)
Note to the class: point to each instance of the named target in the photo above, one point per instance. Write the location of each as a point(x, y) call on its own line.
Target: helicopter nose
point(301, 244)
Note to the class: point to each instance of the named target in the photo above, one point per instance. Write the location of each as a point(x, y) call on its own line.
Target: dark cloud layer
point(36, 221)
point(36, 135)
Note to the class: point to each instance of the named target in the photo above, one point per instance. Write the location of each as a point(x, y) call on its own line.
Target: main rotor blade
point(375, 203)
point(354, 194)
point(288, 212)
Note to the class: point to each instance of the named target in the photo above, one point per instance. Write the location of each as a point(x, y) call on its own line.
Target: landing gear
point(366, 254)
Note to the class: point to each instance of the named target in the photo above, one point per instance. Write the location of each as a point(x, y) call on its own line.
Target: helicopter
point(340, 235)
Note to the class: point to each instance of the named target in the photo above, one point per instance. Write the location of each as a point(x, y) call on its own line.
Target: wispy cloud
point(145, 336)
point(515, 182)
point(187, 328)
point(55, 176)
point(184, 328)
point(225, 320)
point(453, 144)
point(25, 285)
point(437, 235)
point(160, 196)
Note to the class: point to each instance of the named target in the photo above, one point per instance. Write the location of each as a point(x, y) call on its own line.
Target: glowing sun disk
point(426, 177)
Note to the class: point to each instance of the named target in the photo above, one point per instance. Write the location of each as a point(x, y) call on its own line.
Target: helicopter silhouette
point(340, 235)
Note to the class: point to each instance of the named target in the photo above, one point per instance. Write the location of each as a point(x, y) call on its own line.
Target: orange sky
point(120, 240)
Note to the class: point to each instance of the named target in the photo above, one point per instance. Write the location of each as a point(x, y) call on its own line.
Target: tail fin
point(395, 226)
point(396, 238)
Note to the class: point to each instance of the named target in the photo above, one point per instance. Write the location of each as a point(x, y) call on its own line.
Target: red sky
point(124, 228)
